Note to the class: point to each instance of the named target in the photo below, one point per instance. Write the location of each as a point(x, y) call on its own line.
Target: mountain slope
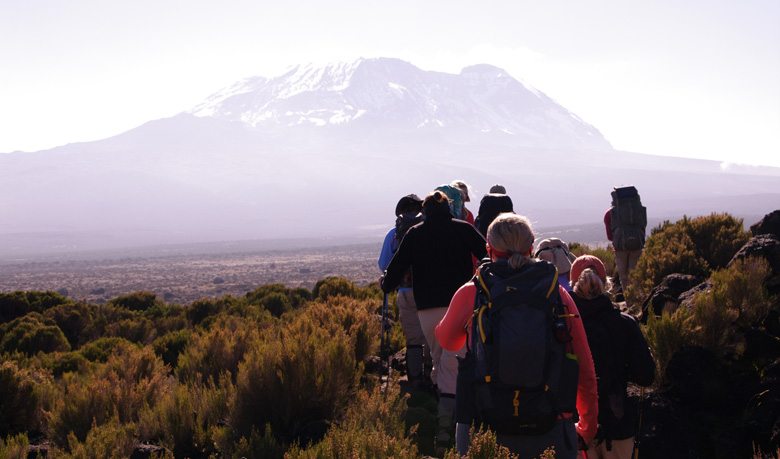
point(326, 152)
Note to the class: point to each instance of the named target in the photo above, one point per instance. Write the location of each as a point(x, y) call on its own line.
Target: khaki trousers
point(445, 364)
point(625, 261)
point(621, 449)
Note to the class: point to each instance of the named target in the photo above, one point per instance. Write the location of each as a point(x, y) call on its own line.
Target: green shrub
point(185, 418)
point(102, 348)
point(666, 335)
point(169, 346)
point(167, 318)
point(17, 304)
point(300, 375)
point(276, 303)
point(372, 427)
point(131, 379)
point(257, 445)
point(737, 301)
point(695, 246)
point(483, 445)
point(23, 397)
point(60, 363)
point(137, 329)
point(355, 317)
point(295, 297)
point(31, 334)
point(205, 308)
point(112, 440)
point(136, 301)
point(217, 350)
point(14, 447)
point(338, 286)
point(74, 319)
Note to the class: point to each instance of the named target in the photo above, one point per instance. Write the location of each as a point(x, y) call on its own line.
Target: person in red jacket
point(510, 242)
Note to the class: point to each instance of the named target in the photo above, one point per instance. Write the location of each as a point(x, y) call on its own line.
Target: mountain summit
point(392, 94)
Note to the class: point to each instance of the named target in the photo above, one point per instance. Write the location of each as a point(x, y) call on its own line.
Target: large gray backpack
point(629, 219)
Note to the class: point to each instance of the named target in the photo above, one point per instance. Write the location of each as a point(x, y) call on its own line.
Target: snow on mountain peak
point(391, 93)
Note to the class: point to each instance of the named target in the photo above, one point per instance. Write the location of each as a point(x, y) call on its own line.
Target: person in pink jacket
point(510, 244)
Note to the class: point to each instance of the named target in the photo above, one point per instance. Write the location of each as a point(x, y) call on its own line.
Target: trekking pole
point(635, 452)
point(383, 340)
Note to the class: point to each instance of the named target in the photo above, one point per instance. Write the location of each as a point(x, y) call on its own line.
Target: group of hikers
point(522, 339)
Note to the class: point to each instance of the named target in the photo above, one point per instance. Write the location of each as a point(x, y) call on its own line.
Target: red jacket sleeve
point(608, 223)
point(451, 330)
point(587, 389)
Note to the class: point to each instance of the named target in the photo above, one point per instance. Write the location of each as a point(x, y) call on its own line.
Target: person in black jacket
point(620, 354)
point(439, 252)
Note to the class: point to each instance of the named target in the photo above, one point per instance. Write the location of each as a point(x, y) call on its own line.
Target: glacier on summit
point(393, 94)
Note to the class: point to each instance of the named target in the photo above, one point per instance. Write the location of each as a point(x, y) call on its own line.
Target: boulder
point(666, 295)
point(765, 246)
point(770, 224)
point(686, 298)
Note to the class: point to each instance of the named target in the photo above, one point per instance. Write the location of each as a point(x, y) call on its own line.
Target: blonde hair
point(513, 234)
point(589, 285)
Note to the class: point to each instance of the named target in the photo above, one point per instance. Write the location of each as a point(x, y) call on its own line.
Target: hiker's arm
point(451, 331)
point(398, 265)
point(641, 364)
point(587, 390)
point(387, 251)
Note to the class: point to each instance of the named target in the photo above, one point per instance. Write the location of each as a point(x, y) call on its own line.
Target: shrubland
point(288, 372)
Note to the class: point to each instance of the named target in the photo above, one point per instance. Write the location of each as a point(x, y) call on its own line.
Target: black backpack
point(521, 371)
point(402, 224)
point(607, 340)
point(629, 219)
point(490, 207)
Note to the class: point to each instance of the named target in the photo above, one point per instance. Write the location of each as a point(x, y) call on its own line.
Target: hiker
point(492, 204)
point(556, 252)
point(408, 213)
point(528, 366)
point(620, 354)
point(455, 197)
point(625, 222)
point(439, 252)
point(464, 190)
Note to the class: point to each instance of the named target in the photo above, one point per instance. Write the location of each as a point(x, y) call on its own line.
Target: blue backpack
point(520, 366)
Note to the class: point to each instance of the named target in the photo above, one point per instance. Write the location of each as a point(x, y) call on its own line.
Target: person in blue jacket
point(408, 213)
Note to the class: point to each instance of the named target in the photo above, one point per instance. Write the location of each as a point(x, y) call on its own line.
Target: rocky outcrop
point(666, 295)
point(770, 224)
point(766, 246)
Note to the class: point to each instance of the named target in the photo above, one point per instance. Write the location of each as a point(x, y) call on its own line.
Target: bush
point(737, 301)
point(169, 346)
point(295, 379)
point(131, 379)
point(60, 363)
point(31, 334)
point(296, 297)
point(202, 309)
point(355, 317)
point(112, 440)
point(691, 246)
point(166, 318)
point(666, 335)
point(183, 420)
point(218, 350)
point(17, 304)
point(338, 286)
point(14, 447)
point(372, 427)
point(74, 319)
point(276, 303)
point(102, 348)
point(136, 301)
point(23, 397)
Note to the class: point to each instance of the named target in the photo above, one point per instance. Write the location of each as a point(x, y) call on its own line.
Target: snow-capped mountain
point(390, 93)
point(327, 151)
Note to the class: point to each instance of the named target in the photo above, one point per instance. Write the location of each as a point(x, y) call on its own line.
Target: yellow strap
point(484, 286)
point(554, 283)
point(479, 324)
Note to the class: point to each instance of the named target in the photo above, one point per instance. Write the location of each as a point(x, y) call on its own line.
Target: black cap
point(410, 202)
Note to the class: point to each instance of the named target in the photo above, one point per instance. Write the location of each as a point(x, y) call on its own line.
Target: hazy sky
point(697, 78)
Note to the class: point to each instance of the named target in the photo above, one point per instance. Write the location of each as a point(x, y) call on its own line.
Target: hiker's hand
point(581, 445)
